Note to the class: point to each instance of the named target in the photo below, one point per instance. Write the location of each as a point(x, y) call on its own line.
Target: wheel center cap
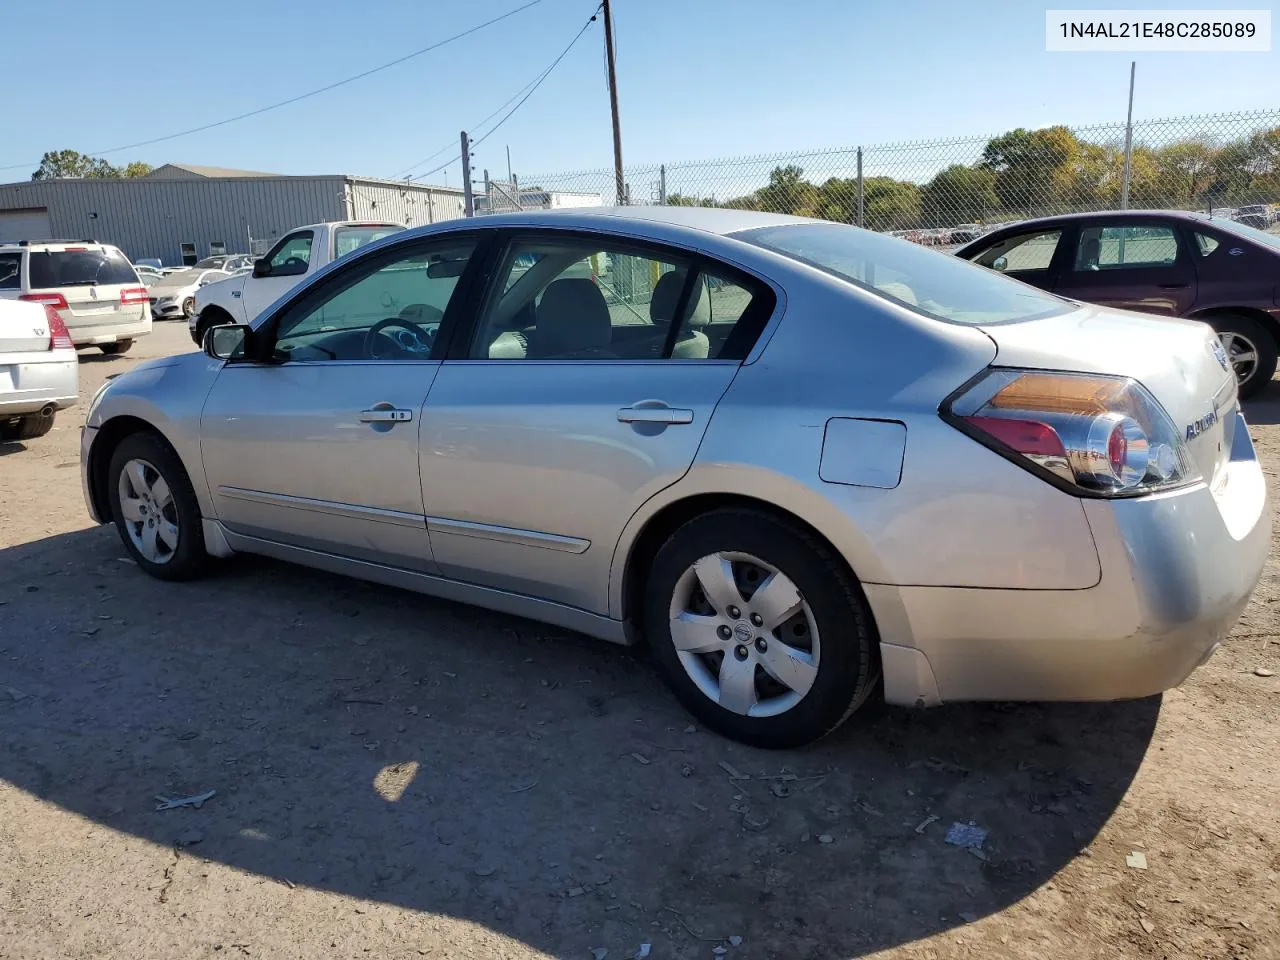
point(742, 632)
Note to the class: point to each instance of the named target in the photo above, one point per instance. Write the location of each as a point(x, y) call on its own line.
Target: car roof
point(1065, 218)
point(714, 220)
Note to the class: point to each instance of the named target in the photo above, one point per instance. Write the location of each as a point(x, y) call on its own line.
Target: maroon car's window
point(1026, 251)
point(1206, 244)
point(1113, 248)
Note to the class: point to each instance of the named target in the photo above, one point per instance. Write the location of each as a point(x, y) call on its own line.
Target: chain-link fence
point(947, 191)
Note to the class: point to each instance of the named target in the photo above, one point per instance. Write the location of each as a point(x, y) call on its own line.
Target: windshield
point(1246, 231)
point(346, 239)
point(78, 268)
point(937, 285)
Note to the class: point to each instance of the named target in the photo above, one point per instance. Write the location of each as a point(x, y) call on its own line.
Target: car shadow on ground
point(388, 746)
point(1265, 407)
point(8, 447)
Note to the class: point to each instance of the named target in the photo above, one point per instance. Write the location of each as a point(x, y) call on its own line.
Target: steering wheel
point(413, 340)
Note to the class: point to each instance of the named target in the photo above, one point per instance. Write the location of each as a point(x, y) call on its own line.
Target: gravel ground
point(401, 777)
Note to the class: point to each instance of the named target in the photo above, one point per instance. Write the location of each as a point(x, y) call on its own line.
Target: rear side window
point(10, 271)
point(79, 268)
point(1206, 244)
point(1114, 248)
point(936, 285)
point(346, 239)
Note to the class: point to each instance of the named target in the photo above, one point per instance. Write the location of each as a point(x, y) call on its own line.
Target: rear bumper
point(29, 382)
point(88, 335)
point(1177, 570)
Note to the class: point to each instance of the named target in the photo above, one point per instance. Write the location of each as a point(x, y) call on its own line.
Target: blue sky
point(697, 79)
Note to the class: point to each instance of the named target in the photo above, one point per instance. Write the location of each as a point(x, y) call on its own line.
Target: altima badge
point(1204, 423)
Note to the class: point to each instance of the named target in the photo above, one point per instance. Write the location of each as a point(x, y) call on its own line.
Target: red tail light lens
point(1092, 435)
point(59, 337)
point(55, 300)
point(133, 295)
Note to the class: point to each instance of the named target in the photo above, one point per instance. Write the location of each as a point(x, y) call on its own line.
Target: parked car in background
point(39, 371)
point(175, 295)
point(1256, 215)
point(227, 261)
point(1171, 263)
point(299, 254)
point(92, 286)
point(152, 262)
point(847, 459)
point(148, 275)
point(965, 233)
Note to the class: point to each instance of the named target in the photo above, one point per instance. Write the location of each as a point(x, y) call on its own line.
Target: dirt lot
point(398, 777)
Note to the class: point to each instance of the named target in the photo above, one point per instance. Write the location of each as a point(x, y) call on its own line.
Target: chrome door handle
point(654, 415)
point(385, 415)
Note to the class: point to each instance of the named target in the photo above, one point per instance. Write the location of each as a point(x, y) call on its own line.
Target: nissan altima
point(804, 463)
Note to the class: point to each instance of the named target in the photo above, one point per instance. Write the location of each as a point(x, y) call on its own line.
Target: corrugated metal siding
point(409, 204)
point(150, 217)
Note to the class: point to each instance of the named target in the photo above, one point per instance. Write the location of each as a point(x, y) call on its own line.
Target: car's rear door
point(585, 388)
point(1132, 264)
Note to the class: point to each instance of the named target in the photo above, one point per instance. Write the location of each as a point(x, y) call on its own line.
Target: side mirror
point(227, 342)
point(1000, 263)
point(262, 268)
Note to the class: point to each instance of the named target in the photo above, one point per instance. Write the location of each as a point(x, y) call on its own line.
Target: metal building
point(179, 213)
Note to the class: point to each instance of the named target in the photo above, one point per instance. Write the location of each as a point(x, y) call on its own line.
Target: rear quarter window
point(347, 239)
point(10, 271)
point(79, 268)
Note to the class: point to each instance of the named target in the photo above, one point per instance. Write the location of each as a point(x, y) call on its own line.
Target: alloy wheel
point(1242, 353)
point(744, 634)
point(149, 511)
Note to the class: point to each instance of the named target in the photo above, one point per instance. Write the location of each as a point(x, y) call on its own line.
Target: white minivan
point(92, 286)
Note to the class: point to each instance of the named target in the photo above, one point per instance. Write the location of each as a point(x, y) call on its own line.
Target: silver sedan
point(806, 464)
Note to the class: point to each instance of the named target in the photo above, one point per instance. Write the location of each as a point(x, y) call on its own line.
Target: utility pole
point(468, 201)
point(1128, 143)
point(861, 223)
point(662, 185)
point(510, 178)
point(613, 102)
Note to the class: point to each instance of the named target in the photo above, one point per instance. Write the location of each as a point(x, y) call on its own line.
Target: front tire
point(112, 349)
point(155, 508)
point(188, 307)
point(1250, 349)
point(758, 629)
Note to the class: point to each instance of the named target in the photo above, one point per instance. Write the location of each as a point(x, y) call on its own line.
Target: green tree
point(959, 194)
point(59, 164)
point(1184, 171)
point(889, 204)
point(787, 192)
point(1033, 168)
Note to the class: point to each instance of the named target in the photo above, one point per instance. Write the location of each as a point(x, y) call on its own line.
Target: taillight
point(59, 337)
point(1089, 434)
point(55, 300)
point(133, 295)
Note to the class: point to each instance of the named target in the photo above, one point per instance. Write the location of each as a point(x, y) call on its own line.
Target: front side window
point(937, 285)
point(1113, 248)
point(1026, 251)
point(79, 268)
point(292, 255)
point(387, 312)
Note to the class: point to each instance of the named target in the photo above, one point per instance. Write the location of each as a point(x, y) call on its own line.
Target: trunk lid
point(1180, 362)
point(90, 279)
point(24, 327)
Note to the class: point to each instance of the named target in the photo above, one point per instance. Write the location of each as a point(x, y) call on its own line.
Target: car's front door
point(286, 263)
point(1027, 256)
point(315, 444)
point(1131, 264)
point(584, 389)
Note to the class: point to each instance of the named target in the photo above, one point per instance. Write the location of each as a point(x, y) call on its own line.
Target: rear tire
point(112, 349)
point(27, 427)
point(804, 675)
point(155, 508)
point(1250, 348)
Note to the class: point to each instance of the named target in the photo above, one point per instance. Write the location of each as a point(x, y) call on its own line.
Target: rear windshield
point(79, 268)
point(10, 267)
point(346, 239)
point(937, 285)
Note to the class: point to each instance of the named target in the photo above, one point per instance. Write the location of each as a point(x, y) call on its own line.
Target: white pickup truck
point(297, 255)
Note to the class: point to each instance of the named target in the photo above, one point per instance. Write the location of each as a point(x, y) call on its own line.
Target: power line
point(304, 96)
point(527, 90)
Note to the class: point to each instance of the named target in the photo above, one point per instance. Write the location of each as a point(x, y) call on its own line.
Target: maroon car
point(1164, 262)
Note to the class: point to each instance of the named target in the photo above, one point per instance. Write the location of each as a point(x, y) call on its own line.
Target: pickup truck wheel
point(1250, 349)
